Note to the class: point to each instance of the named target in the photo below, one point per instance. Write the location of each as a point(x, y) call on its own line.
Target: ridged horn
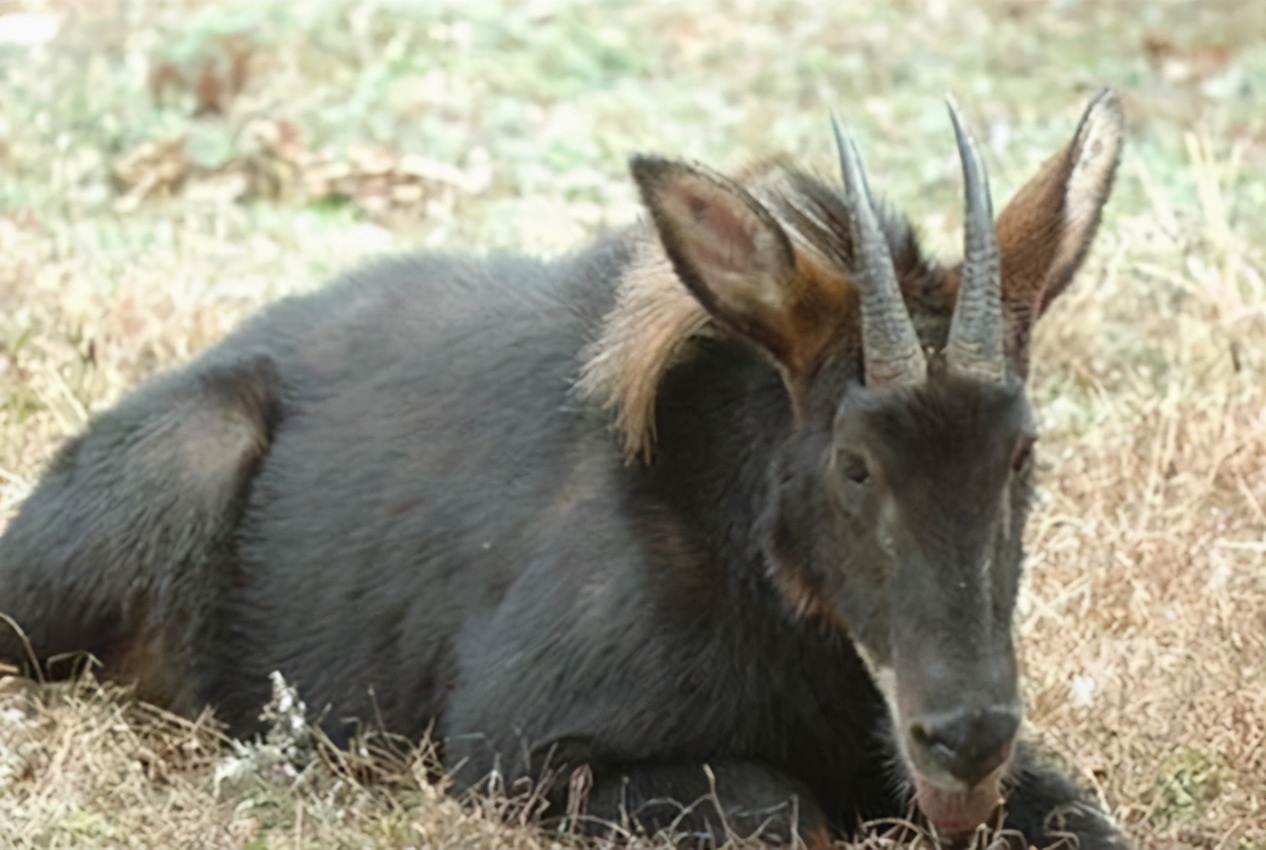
point(890, 345)
point(974, 349)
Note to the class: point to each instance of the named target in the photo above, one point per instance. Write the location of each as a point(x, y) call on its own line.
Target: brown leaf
point(1179, 65)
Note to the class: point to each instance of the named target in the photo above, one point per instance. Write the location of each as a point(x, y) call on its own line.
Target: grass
point(165, 167)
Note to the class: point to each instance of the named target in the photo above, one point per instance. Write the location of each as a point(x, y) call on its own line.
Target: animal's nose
point(969, 744)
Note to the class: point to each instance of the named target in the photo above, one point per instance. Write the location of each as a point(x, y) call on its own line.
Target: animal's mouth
point(955, 814)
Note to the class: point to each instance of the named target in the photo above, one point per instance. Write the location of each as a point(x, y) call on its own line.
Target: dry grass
point(133, 231)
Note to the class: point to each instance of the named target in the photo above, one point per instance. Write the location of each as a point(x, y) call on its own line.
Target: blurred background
point(168, 165)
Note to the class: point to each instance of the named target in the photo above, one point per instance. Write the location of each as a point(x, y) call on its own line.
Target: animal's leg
point(1050, 811)
point(120, 549)
point(701, 805)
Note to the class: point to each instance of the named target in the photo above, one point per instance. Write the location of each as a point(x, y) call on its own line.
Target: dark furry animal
point(795, 565)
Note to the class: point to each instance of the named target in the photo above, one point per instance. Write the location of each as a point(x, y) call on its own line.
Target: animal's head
point(898, 501)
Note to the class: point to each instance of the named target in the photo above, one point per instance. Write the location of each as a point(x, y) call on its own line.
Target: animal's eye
point(1023, 453)
point(853, 467)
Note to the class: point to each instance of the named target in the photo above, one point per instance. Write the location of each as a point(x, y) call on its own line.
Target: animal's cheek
point(886, 538)
point(878, 663)
point(862, 556)
point(862, 594)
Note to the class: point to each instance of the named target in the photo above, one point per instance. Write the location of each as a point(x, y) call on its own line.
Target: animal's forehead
point(946, 417)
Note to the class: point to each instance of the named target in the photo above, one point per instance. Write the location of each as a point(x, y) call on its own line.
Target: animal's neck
point(721, 416)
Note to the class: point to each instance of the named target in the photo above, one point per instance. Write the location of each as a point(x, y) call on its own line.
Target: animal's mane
point(655, 317)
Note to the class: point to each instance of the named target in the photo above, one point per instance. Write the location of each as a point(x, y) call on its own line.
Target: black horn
point(889, 343)
point(974, 349)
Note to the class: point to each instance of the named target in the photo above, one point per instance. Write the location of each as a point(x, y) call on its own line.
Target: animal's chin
point(957, 813)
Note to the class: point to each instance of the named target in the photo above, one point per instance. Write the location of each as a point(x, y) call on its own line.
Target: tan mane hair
point(655, 316)
point(642, 338)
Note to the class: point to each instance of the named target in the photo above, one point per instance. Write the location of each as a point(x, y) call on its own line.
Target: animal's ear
point(739, 264)
point(1046, 229)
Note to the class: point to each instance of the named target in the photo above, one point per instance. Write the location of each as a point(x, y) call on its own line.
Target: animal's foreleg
point(1050, 811)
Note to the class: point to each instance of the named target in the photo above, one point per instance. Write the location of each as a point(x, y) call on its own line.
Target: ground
point(165, 167)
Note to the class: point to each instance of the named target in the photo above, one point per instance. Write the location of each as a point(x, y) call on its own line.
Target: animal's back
point(427, 429)
point(318, 493)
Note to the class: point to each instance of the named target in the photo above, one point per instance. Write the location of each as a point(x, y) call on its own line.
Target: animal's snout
point(968, 744)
